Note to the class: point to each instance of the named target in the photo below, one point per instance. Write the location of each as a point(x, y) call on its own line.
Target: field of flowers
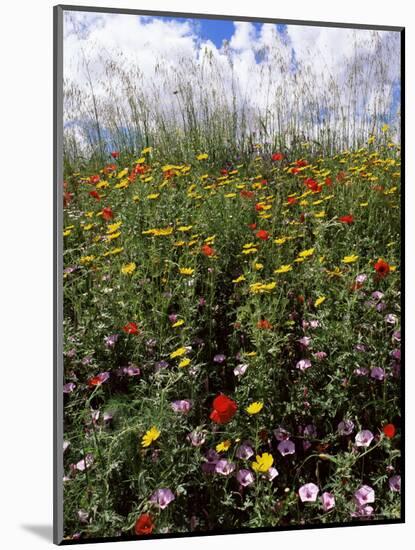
point(232, 341)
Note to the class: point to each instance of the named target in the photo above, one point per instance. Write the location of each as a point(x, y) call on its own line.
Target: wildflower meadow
point(231, 308)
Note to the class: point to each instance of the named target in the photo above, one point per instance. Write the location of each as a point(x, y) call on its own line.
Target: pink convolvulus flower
point(320, 355)
point(244, 451)
point(98, 379)
point(85, 463)
point(391, 319)
point(364, 495)
point(305, 341)
point(240, 369)
point(361, 371)
point(162, 498)
point(377, 295)
point(303, 364)
point(224, 467)
point(286, 447)
point(245, 477)
point(396, 336)
point(377, 373)
point(364, 438)
point(272, 473)
point(395, 484)
point(65, 445)
point(111, 340)
point(211, 459)
point(360, 347)
point(69, 387)
point(281, 434)
point(196, 438)
point(132, 370)
point(308, 492)
point(363, 512)
point(219, 358)
point(361, 278)
point(181, 406)
point(345, 427)
point(328, 501)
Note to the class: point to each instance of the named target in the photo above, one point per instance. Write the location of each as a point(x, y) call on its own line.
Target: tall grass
point(203, 103)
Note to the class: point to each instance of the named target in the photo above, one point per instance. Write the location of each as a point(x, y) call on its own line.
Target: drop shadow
point(44, 532)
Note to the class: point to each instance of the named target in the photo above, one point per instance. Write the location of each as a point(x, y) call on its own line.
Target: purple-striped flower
point(308, 492)
point(181, 406)
point(281, 434)
point(244, 451)
point(377, 373)
point(162, 498)
point(196, 438)
point(345, 427)
point(286, 447)
point(328, 501)
point(85, 463)
point(224, 467)
point(240, 369)
point(111, 340)
point(364, 438)
point(395, 484)
point(364, 495)
point(303, 364)
point(245, 477)
point(69, 387)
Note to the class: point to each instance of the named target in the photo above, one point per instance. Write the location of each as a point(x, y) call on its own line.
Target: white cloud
point(158, 56)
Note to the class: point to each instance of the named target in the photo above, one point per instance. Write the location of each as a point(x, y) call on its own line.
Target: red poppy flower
point(208, 250)
point(131, 328)
point(264, 183)
point(107, 213)
point(247, 194)
point(109, 168)
point(301, 163)
point(328, 182)
point(264, 324)
point(389, 430)
point(262, 234)
point(224, 409)
point(94, 179)
point(252, 225)
point(277, 156)
point(115, 154)
point(144, 525)
point(382, 268)
point(259, 207)
point(139, 169)
point(224, 172)
point(294, 170)
point(94, 194)
point(346, 219)
point(292, 200)
point(312, 185)
point(98, 379)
